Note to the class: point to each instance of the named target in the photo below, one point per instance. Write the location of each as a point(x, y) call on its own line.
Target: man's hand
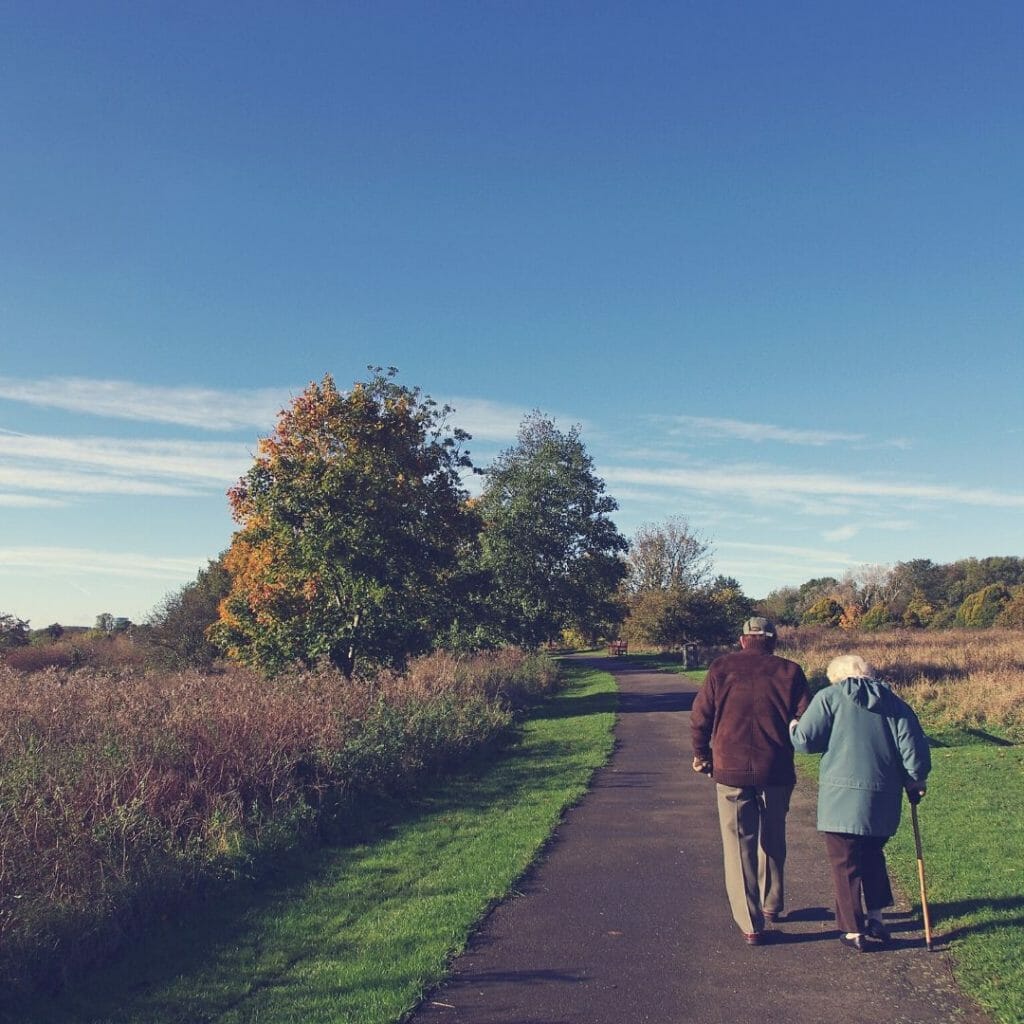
point(915, 794)
point(702, 766)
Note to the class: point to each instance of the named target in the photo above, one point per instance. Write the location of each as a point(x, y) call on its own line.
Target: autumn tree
point(1012, 614)
point(352, 519)
point(548, 544)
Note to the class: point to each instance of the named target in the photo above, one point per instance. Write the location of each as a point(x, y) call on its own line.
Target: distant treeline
point(971, 592)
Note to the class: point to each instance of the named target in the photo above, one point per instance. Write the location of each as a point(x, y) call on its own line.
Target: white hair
point(847, 665)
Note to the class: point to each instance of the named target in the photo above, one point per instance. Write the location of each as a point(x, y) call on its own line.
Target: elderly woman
point(874, 749)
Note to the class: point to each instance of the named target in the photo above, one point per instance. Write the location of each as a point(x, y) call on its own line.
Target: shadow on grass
point(575, 707)
point(216, 925)
point(947, 737)
point(994, 915)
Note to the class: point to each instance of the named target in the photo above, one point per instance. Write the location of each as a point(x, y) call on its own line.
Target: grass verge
point(356, 934)
point(972, 833)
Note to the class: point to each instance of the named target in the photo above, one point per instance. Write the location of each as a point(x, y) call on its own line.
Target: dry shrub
point(107, 653)
point(119, 791)
point(958, 677)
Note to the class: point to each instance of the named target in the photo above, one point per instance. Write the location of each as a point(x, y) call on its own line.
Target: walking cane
point(920, 876)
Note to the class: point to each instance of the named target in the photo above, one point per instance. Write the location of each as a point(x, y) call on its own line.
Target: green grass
point(356, 934)
point(972, 835)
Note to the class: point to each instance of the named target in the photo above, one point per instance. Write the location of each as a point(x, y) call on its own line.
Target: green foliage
point(944, 619)
point(14, 632)
point(667, 593)
point(670, 618)
point(782, 606)
point(177, 629)
point(983, 607)
point(354, 527)
point(548, 544)
point(919, 611)
point(826, 611)
point(876, 617)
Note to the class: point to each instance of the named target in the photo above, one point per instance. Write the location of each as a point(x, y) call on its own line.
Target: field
point(966, 682)
point(968, 689)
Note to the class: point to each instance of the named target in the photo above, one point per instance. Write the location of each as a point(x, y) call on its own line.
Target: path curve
point(624, 920)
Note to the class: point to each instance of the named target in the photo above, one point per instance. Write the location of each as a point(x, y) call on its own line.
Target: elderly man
point(740, 732)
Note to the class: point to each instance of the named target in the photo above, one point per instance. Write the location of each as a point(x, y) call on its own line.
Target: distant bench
point(618, 647)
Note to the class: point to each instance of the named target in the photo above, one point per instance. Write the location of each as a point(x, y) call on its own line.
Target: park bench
point(618, 647)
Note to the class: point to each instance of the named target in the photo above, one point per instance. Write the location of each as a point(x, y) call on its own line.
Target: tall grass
point(957, 678)
point(121, 792)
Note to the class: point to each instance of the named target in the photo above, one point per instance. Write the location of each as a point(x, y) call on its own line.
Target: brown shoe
point(770, 918)
point(754, 938)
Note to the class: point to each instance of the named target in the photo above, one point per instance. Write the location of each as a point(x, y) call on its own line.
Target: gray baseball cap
point(758, 626)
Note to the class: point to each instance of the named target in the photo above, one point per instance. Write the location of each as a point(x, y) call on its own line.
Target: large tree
point(352, 521)
point(552, 552)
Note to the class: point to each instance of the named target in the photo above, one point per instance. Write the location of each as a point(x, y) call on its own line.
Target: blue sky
point(769, 256)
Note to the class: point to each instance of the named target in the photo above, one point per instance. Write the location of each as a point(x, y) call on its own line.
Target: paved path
point(625, 918)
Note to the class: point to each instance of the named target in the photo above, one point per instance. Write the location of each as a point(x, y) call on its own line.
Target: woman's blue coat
point(873, 746)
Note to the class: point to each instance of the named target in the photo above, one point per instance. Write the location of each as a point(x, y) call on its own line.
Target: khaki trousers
point(753, 823)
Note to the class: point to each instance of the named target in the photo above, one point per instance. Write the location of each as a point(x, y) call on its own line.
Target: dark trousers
point(859, 877)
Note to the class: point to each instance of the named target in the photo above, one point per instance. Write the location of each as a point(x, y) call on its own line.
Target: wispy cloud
point(845, 532)
point(742, 430)
point(757, 562)
point(487, 421)
point(758, 432)
point(756, 483)
point(850, 530)
point(70, 481)
point(89, 562)
point(29, 501)
point(204, 408)
point(184, 460)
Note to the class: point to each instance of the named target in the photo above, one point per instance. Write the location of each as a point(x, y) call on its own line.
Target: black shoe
point(876, 930)
point(857, 942)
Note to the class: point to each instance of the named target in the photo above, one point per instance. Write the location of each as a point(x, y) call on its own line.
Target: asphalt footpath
point(625, 919)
